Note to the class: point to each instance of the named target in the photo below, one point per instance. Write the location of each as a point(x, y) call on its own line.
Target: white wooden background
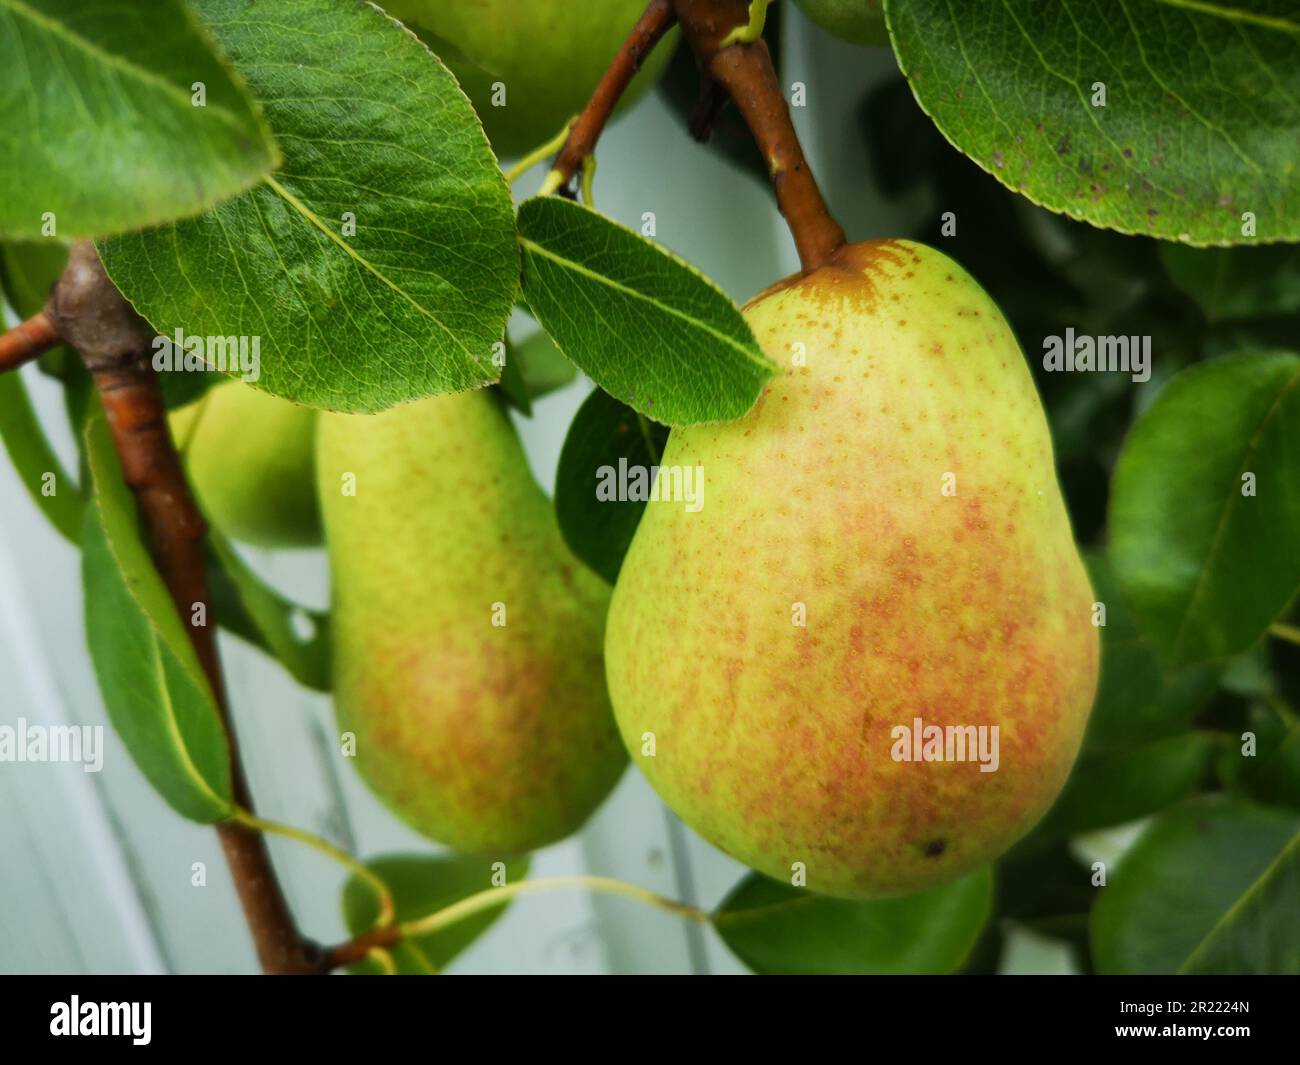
point(95, 871)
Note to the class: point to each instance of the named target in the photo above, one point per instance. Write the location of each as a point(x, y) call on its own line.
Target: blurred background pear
point(467, 638)
point(859, 21)
point(250, 457)
point(529, 66)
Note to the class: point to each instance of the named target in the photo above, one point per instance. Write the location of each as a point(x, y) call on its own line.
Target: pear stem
point(655, 21)
point(485, 900)
point(538, 154)
point(381, 938)
point(325, 847)
point(27, 340)
point(743, 67)
point(1282, 631)
point(87, 312)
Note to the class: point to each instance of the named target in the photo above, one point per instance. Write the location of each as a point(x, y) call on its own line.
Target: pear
point(859, 21)
point(883, 542)
point(251, 459)
point(528, 66)
point(467, 640)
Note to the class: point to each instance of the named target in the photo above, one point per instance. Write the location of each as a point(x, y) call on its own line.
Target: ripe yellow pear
point(466, 638)
point(251, 461)
point(529, 66)
point(883, 540)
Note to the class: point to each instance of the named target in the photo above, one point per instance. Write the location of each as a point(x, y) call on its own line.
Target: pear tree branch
point(87, 311)
point(734, 62)
point(730, 53)
point(655, 21)
point(27, 341)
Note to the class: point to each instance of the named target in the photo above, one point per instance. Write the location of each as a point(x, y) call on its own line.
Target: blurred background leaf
point(606, 436)
point(1209, 887)
point(775, 928)
point(1205, 511)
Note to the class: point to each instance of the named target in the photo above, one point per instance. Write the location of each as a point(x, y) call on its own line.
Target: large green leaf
point(644, 325)
point(372, 126)
point(98, 124)
point(421, 885)
point(157, 697)
point(1206, 564)
point(1115, 787)
point(1138, 700)
point(606, 437)
point(1200, 121)
point(1209, 887)
point(774, 928)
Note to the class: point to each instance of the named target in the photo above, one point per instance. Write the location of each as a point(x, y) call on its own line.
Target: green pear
point(251, 461)
point(528, 66)
point(882, 540)
point(467, 639)
point(859, 21)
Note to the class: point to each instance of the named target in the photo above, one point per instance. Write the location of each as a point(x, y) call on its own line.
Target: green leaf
point(1138, 700)
point(1273, 776)
point(373, 126)
point(534, 367)
point(154, 689)
point(34, 459)
point(1231, 283)
point(249, 608)
point(644, 325)
point(1205, 507)
point(1117, 787)
point(1200, 118)
point(1209, 887)
point(513, 385)
point(774, 928)
point(543, 365)
point(97, 121)
point(421, 885)
point(605, 437)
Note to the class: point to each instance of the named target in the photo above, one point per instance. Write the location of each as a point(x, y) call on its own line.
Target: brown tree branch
point(29, 340)
point(655, 21)
point(88, 312)
point(745, 70)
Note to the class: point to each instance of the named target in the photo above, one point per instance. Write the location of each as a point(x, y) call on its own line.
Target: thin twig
point(745, 70)
point(655, 21)
point(27, 341)
point(485, 900)
point(383, 896)
point(116, 345)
